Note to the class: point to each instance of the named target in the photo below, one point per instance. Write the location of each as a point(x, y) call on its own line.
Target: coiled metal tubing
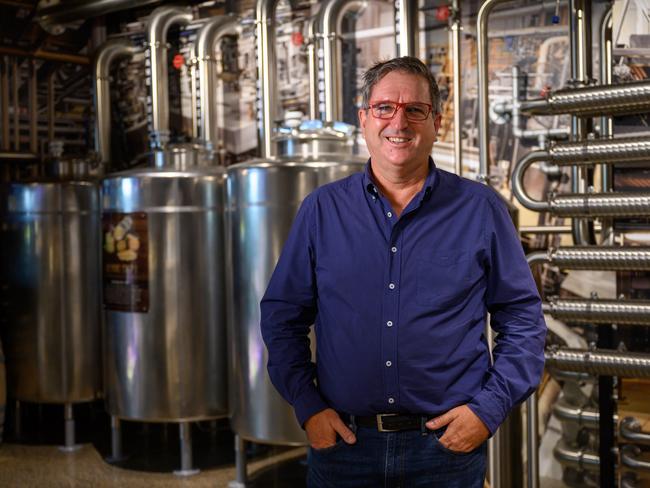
point(621, 312)
point(595, 258)
point(600, 362)
point(576, 458)
point(591, 101)
point(583, 416)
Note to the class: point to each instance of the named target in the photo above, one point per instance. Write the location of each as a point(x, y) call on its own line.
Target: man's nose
point(399, 120)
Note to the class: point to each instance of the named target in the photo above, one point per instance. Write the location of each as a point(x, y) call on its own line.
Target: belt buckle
point(380, 422)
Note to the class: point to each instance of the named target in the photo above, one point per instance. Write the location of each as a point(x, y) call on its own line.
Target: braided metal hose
point(600, 362)
point(628, 149)
point(621, 312)
point(595, 258)
point(614, 204)
point(591, 101)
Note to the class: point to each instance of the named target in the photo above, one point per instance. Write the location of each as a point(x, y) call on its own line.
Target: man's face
point(399, 143)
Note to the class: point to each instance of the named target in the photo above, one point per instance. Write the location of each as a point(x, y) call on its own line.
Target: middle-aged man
point(397, 268)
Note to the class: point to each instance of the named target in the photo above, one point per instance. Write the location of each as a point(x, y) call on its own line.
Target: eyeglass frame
point(398, 106)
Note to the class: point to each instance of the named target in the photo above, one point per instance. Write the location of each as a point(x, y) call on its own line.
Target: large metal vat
point(165, 332)
point(49, 254)
point(263, 198)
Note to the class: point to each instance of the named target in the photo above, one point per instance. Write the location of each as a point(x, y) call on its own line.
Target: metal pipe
point(33, 107)
point(50, 108)
point(407, 27)
point(185, 434)
point(532, 441)
point(207, 42)
point(104, 58)
point(267, 97)
point(630, 458)
point(46, 55)
point(16, 104)
point(483, 101)
point(455, 32)
point(160, 21)
point(4, 96)
point(240, 461)
point(600, 362)
point(583, 416)
point(591, 101)
point(116, 439)
point(606, 121)
point(595, 258)
point(70, 445)
point(312, 63)
point(630, 430)
point(330, 17)
point(600, 311)
point(576, 458)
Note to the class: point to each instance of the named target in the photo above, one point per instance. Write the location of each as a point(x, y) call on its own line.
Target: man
point(397, 268)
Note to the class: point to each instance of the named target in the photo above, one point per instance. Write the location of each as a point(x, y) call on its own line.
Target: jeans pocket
point(436, 434)
point(326, 450)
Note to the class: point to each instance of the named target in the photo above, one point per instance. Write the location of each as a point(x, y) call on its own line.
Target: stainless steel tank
point(263, 198)
point(49, 294)
point(163, 290)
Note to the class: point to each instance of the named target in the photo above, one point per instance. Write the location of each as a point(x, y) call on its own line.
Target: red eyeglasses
point(414, 111)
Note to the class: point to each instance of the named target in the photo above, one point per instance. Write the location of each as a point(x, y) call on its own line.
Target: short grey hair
point(405, 64)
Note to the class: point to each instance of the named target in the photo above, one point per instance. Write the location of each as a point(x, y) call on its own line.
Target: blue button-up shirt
point(399, 303)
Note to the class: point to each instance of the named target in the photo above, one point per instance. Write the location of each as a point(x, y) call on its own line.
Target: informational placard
point(125, 262)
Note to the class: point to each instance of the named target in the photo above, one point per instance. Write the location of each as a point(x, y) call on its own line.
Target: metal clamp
point(629, 458)
point(630, 429)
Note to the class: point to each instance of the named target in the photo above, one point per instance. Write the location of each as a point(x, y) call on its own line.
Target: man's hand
point(465, 431)
point(322, 428)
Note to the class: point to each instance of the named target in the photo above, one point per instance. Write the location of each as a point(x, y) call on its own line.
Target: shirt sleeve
point(516, 315)
point(288, 310)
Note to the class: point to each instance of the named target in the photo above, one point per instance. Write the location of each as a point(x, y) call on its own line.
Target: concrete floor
point(46, 466)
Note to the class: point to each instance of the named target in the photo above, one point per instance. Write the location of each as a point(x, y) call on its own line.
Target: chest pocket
point(443, 279)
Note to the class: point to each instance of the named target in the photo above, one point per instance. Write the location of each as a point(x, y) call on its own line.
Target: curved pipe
point(630, 458)
point(312, 64)
point(583, 416)
point(407, 28)
point(592, 101)
point(576, 458)
point(104, 58)
point(600, 362)
point(329, 25)
point(483, 101)
point(595, 258)
point(620, 312)
point(630, 430)
point(207, 42)
point(160, 21)
point(266, 73)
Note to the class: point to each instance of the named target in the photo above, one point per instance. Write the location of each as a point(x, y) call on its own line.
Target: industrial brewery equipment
point(49, 253)
point(263, 197)
point(163, 285)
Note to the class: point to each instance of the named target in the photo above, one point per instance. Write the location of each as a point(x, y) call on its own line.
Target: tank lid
point(315, 138)
point(182, 156)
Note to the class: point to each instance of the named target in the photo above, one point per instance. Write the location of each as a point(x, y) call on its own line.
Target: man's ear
point(363, 114)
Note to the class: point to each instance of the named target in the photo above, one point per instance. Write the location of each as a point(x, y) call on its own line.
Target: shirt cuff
point(309, 403)
point(489, 410)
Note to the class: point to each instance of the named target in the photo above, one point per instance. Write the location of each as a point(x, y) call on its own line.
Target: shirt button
point(391, 400)
point(389, 323)
point(389, 364)
point(390, 214)
point(394, 249)
point(391, 286)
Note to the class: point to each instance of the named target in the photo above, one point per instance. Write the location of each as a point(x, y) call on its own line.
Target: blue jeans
point(395, 460)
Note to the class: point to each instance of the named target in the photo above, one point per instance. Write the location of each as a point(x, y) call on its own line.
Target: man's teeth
point(398, 139)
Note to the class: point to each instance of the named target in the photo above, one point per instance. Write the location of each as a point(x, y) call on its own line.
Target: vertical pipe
point(50, 108)
point(68, 414)
point(267, 97)
point(185, 434)
point(160, 21)
point(240, 461)
point(580, 36)
point(16, 104)
point(104, 58)
point(482, 52)
point(194, 99)
point(116, 439)
point(4, 87)
point(407, 27)
point(606, 408)
point(33, 108)
point(606, 123)
point(312, 63)
point(532, 442)
point(455, 46)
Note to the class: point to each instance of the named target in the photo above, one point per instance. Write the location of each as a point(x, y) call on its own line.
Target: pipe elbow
point(518, 188)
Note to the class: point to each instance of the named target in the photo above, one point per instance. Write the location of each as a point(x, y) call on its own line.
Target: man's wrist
point(309, 403)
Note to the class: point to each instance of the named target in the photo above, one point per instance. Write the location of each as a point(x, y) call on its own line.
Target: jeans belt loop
point(352, 424)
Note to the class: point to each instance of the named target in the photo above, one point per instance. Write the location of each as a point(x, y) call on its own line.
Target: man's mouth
point(398, 140)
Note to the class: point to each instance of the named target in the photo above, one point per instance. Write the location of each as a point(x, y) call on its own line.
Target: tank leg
point(18, 425)
point(116, 441)
point(240, 464)
point(186, 451)
point(70, 445)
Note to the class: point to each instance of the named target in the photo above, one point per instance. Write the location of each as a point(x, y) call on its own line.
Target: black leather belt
point(389, 422)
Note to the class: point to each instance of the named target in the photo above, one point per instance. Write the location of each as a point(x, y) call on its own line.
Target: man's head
point(400, 116)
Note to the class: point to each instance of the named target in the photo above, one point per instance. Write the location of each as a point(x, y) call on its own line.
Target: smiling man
point(397, 268)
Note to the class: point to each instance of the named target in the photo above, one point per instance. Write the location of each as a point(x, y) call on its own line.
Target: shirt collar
point(424, 194)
